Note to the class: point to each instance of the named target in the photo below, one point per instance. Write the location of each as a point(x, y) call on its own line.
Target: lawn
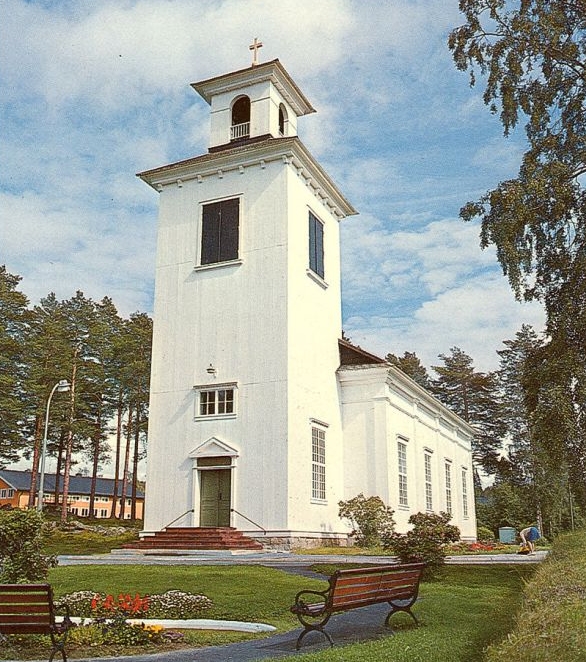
point(469, 608)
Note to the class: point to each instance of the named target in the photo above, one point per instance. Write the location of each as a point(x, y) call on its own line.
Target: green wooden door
point(215, 498)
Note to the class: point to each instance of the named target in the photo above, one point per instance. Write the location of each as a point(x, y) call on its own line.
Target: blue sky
point(92, 92)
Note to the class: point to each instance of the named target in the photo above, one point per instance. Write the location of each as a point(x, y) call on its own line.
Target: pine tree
point(411, 365)
point(13, 327)
point(472, 395)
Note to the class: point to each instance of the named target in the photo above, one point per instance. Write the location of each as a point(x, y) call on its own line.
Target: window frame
point(316, 247)
point(465, 507)
point(215, 388)
point(448, 486)
point(204, 260)
point(428, 481)
point(402, 472)
point(318, 463)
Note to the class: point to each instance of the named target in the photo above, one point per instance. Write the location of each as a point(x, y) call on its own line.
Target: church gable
point(213, 447)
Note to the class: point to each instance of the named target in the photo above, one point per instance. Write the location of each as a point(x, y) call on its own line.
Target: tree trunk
point(96, 460)
point(117, 458)
point(135, 463)
point(35, 463)
point(126, 463)
point(57, 491)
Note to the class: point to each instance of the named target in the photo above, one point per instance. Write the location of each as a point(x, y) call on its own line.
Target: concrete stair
point(225, 538)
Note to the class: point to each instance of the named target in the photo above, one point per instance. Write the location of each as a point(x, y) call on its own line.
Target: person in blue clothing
point(529, 536)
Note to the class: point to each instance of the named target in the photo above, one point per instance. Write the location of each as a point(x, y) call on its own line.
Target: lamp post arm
point(62, 385)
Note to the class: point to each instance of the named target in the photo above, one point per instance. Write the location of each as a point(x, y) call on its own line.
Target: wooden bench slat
point(16, 617)
point(28, 628)
point(25, 609)
point(28, 598)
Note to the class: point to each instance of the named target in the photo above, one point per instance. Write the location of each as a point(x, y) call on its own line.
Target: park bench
point(397, 585)
point(29, 609)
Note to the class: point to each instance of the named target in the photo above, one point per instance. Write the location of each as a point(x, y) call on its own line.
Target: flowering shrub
point(124, 605)
point(117, 630)
point(478, 547)
point(178, 604)
point(426, 541)
point(172, 604)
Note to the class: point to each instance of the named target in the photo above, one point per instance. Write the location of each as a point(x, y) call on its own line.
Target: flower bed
point(108, 615)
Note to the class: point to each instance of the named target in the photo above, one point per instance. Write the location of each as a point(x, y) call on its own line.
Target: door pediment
point(214, 447)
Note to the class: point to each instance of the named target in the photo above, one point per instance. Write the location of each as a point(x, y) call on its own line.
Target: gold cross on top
point(256, 44)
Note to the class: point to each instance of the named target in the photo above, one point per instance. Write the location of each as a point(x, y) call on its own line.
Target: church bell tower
point(245, 426)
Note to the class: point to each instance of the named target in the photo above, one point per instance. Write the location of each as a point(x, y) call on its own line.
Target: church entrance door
point(215, 497)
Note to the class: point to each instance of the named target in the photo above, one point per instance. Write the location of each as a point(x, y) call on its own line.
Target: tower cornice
point(289, 150)
point(272, 71)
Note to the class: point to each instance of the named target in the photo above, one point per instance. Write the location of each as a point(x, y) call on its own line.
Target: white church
point(261, 417)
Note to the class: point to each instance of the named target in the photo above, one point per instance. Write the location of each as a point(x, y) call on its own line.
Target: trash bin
point(507, 535)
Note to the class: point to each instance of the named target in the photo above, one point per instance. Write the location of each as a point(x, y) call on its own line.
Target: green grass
point(84, 542)
point(461, 614)
point(551, 624)
point(469, 608)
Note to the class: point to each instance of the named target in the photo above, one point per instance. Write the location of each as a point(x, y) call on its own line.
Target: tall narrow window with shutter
point(219, 231)
point(316, 245)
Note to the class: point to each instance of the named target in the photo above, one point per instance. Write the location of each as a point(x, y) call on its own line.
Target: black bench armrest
point(66, 623)
point(301, 607)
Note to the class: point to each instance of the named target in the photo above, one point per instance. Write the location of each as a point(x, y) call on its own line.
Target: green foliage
point(84, 542)
point(173, 604)
point(178, 604)
point(21, 544)
point(425, 542)
point(533, 55)
point(506, 504)
point(473, 395)
point(550, 625)
point(118, 631)
point(411, 365)
point(370, 518)
point(484, 534)
point(13, 320)
point(470, 604)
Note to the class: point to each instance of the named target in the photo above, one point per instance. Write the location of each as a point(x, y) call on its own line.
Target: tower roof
point(273, 71)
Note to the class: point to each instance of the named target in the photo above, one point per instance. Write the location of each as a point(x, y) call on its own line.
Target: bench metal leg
point(313, 628)
point(395, 607)
point(58, 647)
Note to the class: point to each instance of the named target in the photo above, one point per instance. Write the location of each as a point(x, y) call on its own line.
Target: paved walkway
point(285, 560)
point(363, 624)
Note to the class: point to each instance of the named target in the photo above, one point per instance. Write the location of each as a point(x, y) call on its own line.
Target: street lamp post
point(61, 386)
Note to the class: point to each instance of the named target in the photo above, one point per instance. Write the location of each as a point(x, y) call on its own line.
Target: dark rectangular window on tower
point(316, 245)
point(219, 231)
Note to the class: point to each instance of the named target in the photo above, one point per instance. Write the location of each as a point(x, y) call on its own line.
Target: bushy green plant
point(484, 534)
point(21, 543)
point(118, 631)
point(425, 542)
point(370, 518)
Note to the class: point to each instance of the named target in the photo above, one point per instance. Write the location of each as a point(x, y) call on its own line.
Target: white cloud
point(92, 92)
point(476, 316)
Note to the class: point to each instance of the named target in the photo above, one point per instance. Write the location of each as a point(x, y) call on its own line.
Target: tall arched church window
point(282, 119)
point(240, 119)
